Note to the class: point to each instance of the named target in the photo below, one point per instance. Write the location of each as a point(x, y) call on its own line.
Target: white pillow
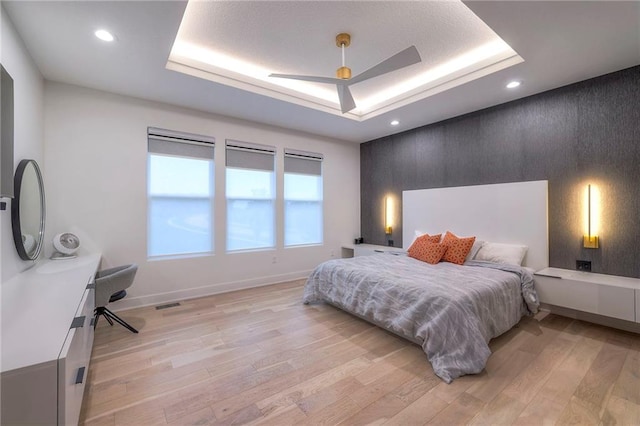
point(477, 245)
point(417, 234)
point(512, 254)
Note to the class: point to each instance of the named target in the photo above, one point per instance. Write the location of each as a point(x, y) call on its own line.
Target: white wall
point(96, 156)
point(28, 88)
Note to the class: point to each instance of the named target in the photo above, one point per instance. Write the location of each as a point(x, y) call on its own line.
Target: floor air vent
point(168, 305)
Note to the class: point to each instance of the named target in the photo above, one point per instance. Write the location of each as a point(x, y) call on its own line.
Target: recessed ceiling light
point(513, 84)
point(104, 35)
point(395, 122)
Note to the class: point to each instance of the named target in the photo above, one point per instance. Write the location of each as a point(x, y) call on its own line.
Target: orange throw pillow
point(423, 248)
point(428, 252)
point(457, 248)
point(422, 239)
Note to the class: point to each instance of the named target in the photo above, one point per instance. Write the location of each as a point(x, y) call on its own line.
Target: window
point(302, 198)
point(179, 193)
point(250, 184)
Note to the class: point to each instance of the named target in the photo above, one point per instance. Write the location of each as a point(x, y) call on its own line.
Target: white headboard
point(514, 213)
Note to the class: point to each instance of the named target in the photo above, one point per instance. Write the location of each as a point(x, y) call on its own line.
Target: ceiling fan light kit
point(343, 79)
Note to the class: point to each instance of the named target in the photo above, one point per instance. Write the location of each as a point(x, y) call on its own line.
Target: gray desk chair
point(111, 282)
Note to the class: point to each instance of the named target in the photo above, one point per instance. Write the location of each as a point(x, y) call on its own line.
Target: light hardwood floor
point(260, 356)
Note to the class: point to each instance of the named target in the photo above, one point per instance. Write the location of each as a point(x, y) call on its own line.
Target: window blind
point(169, 142)
point(250, 156)
point(302, 162)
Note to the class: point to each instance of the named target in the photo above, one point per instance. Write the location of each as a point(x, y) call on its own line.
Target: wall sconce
point(388, 215)
point(592, 220)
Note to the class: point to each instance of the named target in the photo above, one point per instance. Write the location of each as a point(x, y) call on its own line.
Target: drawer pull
point(80, 375)
point(91, 286)
point(93, 321)
point(379, 251)
point(78, 322)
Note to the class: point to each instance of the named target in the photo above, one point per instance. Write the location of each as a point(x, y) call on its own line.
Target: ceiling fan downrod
point(343, 40)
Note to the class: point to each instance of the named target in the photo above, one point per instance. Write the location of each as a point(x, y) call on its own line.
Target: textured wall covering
point(588, 132)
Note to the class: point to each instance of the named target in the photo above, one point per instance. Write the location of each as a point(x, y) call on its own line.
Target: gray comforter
point(452, 311)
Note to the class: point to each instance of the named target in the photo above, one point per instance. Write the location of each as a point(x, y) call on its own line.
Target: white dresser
point(47, 336)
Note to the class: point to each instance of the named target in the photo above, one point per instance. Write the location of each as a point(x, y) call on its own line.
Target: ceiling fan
point(343, 80)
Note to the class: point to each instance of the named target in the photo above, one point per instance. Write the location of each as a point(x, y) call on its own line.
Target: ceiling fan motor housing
point(343, 73)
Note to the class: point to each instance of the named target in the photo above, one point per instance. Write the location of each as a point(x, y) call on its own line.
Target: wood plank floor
point(260, 356)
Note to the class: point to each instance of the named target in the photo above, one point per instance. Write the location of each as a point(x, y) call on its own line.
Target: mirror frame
point(15, 211)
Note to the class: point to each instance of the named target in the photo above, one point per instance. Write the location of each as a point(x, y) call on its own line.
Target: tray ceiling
point(299, 38)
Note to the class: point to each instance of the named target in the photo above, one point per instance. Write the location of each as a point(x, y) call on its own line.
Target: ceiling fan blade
point(346, 100)
point(314, 79)
point(408, 56)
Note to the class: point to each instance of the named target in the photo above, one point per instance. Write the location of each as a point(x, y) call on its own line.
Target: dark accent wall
point(588, 132)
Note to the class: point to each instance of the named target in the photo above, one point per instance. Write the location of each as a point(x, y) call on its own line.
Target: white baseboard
point(191, 293)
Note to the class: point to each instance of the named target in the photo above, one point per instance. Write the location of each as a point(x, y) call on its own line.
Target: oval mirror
point(28, 210)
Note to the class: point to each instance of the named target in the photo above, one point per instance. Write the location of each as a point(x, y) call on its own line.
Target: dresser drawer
point(73, 364)
point(29, 395)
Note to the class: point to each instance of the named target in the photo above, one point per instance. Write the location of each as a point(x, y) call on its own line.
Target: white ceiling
point(560, 42)
point(457, 48)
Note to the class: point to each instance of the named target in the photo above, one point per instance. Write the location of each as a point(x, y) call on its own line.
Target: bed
point(452, 311)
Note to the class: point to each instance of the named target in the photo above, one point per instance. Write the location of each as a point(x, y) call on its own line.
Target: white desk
point(42, 355)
